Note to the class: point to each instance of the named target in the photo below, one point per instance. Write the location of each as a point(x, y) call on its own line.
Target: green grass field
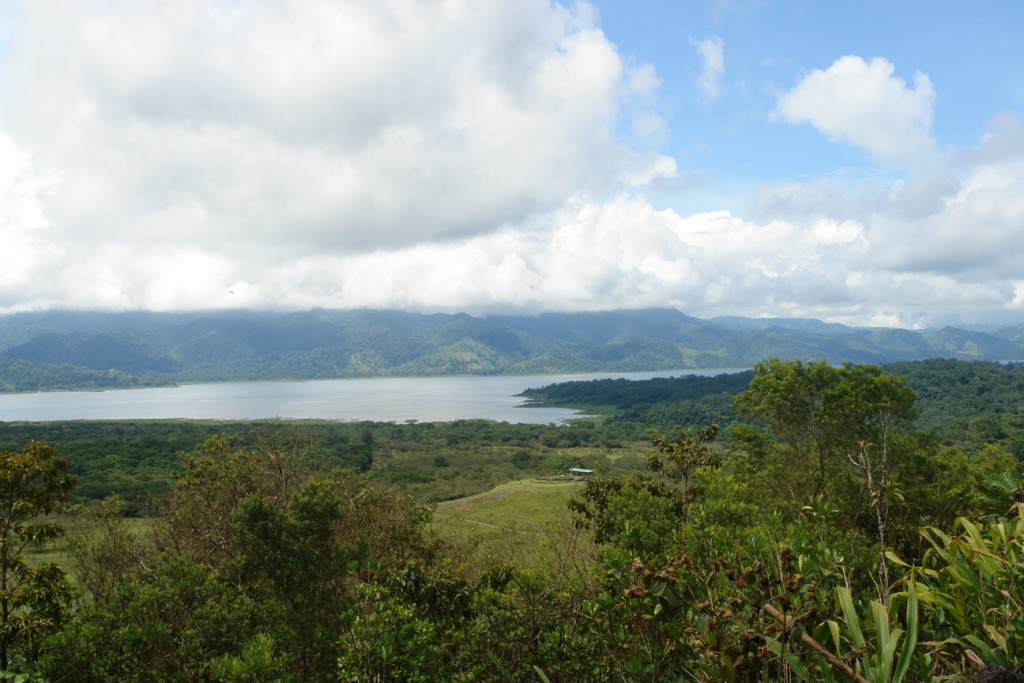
point(524, 523)
point(56, 551)
point(527, 505)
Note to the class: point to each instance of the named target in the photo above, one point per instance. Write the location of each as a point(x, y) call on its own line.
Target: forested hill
point(56, 350)
point(959, 401)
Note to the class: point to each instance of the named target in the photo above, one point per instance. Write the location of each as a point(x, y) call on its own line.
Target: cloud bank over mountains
point(462, 155)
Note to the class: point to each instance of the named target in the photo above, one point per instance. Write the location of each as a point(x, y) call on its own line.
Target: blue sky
point(971, 53)
point(858, 162)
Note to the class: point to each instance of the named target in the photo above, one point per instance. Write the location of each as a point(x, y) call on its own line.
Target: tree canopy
point(33, 482)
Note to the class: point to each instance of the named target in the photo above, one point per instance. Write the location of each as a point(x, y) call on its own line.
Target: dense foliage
point(22, 376)
point(824, 536)
point(33, 482)
point(432, 462)
point(969, 404)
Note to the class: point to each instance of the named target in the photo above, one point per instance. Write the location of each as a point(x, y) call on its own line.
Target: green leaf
point(910, 642)
point(795, 665)
point(850, 616)
point(501, 668)
point(892, 557)
point(995, 635)
point(886, 641)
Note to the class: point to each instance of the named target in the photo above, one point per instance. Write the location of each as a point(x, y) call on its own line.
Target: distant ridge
point(810, 325)
point(158, 348)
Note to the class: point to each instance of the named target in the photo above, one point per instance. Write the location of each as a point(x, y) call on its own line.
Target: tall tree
point(823, 412)
point(32, 484)
point(835, 417)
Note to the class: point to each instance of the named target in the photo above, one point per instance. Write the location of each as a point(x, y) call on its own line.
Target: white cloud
point(454, 155)
point(945, 242)
point(643, 79)
point(975, 235)
point(590, 255)
point(864, 104)
point(584, 256)
point(712, 59)
point(314, 125)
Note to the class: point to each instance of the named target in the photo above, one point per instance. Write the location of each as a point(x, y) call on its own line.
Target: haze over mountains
point(63, 350)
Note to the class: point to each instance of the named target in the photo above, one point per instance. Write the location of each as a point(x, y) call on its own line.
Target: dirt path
point(484, 498)
point(469, 521)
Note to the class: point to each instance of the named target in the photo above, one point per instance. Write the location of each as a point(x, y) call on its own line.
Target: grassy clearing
point(524, 505)
point(633, 451)
point(56, 551)
point(51, 552)
point(524, 523)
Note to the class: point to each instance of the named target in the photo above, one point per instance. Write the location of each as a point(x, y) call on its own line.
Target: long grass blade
point(850, 616)
point(909, 650)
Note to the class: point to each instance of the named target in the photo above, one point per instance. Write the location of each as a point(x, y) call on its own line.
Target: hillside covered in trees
point(48, 351)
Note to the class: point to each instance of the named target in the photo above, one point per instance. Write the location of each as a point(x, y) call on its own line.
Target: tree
point(253, 564)
point(822, 413)
point(638, 512)
point(102, 549)
point(835, 417)
point(680, 459)
point(32, 484)
point(882, 400)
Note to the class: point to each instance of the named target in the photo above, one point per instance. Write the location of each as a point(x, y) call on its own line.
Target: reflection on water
point(425, 399)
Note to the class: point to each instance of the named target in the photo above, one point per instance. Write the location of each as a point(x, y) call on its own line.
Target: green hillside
point(155, 349)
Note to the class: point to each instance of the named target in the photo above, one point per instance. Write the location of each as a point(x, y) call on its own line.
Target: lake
point(388, 399)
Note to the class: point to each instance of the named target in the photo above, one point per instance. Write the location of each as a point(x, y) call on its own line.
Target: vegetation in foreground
point(823, 538)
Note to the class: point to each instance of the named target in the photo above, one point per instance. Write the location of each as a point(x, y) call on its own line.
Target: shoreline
point(435, 399)
point(174, 384)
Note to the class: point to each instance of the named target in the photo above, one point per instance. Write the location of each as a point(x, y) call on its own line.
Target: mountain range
point(62, 350)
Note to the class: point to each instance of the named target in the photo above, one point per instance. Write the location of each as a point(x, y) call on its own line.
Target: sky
point(857, 161)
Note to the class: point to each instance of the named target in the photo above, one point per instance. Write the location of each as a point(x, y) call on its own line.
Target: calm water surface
point(426, 399)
